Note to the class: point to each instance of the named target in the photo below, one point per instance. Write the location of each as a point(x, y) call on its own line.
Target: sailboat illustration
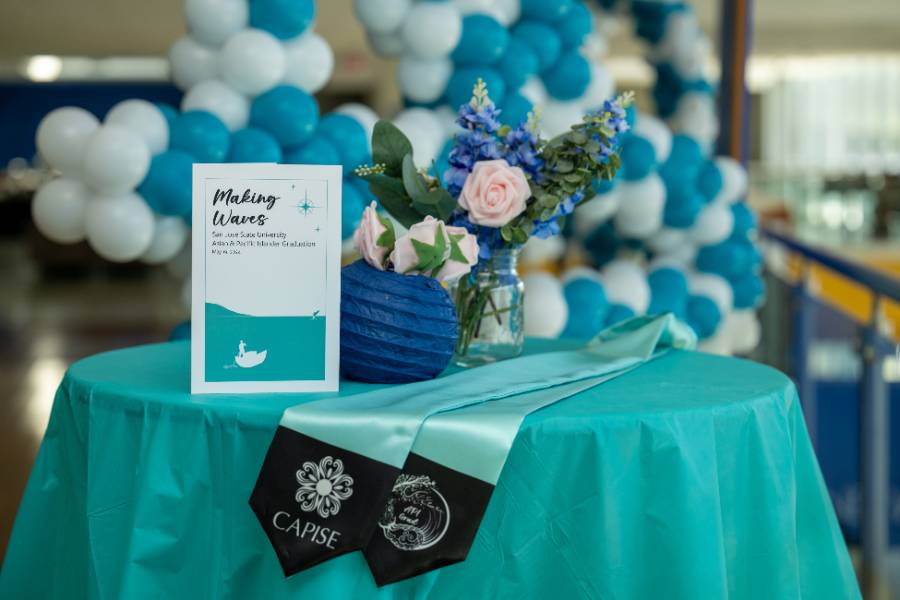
point(249, 358)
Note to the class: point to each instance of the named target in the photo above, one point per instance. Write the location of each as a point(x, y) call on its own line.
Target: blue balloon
point(285, 19)
point(630, 115)
point(317, 151)
point(744, 219)
point(748, 291)
point(546, 10)
point(685, 159)
point(182, 331)
point(542, 38)
point(168, 111)
point(518, 63)
point(703, 315)
point(349, 137)
point(668, 292)
point(361, 186)
point(352, 205)
point(483, 41)
point(167, 186)
point(728, 259)
point(202, 135)
point(575, 26)
point(569, 76)
point(602, 243)
point(459, 88)
point(515, 109)
point(618, 313)
point(288, 113)
point(709, 180)
point(442, 163)
point(254, 145)
point(638, 157)
point(681, 209)
point(587, 308)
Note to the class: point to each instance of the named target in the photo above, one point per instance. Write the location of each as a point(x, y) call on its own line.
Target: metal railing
point(874, 400)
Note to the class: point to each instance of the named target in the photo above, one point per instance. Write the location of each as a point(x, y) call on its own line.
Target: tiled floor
point(46, 323)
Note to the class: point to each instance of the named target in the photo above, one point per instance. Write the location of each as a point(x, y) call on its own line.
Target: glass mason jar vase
point(490, 311)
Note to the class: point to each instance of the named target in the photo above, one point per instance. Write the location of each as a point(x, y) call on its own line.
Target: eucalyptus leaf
point(393, 198)
point(389, 146)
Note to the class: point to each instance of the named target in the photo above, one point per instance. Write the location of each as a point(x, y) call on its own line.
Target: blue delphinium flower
point(478, 141)
point(521, 149)
point(550, 227)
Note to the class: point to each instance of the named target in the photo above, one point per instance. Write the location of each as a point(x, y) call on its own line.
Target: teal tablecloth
point(691, 477)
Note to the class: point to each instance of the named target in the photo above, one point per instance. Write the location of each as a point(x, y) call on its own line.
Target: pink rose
point(365, 238)
point(404, 256)
point(494, 193)
point(468, 245)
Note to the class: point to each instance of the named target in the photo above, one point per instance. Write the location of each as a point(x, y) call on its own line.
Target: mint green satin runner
point(383, 424)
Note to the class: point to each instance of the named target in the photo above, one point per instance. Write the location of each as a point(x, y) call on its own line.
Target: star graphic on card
point(305, 206)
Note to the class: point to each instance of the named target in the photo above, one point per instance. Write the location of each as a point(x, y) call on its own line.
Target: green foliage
point(431, 256)
point(389, 236)
point(389, 146)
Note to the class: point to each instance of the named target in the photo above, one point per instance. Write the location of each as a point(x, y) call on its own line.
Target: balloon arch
point(671, 233)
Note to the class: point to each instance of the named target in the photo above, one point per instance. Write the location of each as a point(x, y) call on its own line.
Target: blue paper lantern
point(728, 259)
point(463, 80)
point(317, 151)
point(254, 145)
point(285, 19)
point(483, 41)
point(202, 135)
point(394, 328)
point(748, 291)
point(618, 313)
point(703, 315)
point(349, 138)
point(638, 157)
point(569, 76)
point(518, 63)
point(352, 205)
point(515, 109)
point(709, 180)
point(167, 186)
point(575, 26)
point(542, 38)
point(288, 113)
point(546, 10)
point(587, 308)
point(668, 292)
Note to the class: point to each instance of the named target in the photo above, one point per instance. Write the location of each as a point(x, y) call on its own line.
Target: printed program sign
point(266, 278)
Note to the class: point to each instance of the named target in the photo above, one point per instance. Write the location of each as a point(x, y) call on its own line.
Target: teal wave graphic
point(275, 348)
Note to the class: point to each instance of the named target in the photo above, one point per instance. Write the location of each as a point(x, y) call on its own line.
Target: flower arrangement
point(504, 185)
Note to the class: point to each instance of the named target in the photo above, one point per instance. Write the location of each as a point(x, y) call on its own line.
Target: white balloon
point(602, 87)
point(595, 212)
point(214, 21)
point(363, 114)
point(664, 262)
point(695, 115)
point(252, 61)
point(743, 330)
point(718, 343)
point(424, 80)
point(580, 272)
point(62, 137)
point(424, 131)
point(389, 45)
point(641, 207)
point(713, 286)
point(684, 254)
point(144, 119)
point(447, 116)
point(58, 210)
point(734, 179)
point(467, 7)
point(115, 160)
point(169, 235)
point(546, 310)
point(217, 98)
point(625, 282)
point(657, 133)
point(310, 62)
point(538, 250)
point(119, 229)
point(557, 117)
point(507, 11)
point(667, 240)
point(192, 62)
point(432, 29)
point(534, 91)
point(681, 29)
point(713, 225)
point(381, 16)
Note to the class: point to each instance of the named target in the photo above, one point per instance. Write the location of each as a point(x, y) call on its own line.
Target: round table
point(690, 477)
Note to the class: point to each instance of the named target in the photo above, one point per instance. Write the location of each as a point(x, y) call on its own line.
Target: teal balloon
point(630, 115)
point(703, 316)
point(709, 180)
point(317, 151)
point(542, 38)
point(352, 206)
point(167, 186)
point(362, 187)
point(618, 313)
point(729, 258)
point(254, 145)
point(638, 157)
point(285, 19)
point(682, 208)
point(569, 76)
point(518, 63)
point(483, 41)
point(684, 162)
point(459, 88)
point(168, 111)
point(515, 109)
point(744, 219)
point(749, 291)
point(575, 26)
point(588, 307)
point(288, 113)
point(443, 160)
point(546, 10)
point(668, 292)
point(202, 135)
point(348, 136)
